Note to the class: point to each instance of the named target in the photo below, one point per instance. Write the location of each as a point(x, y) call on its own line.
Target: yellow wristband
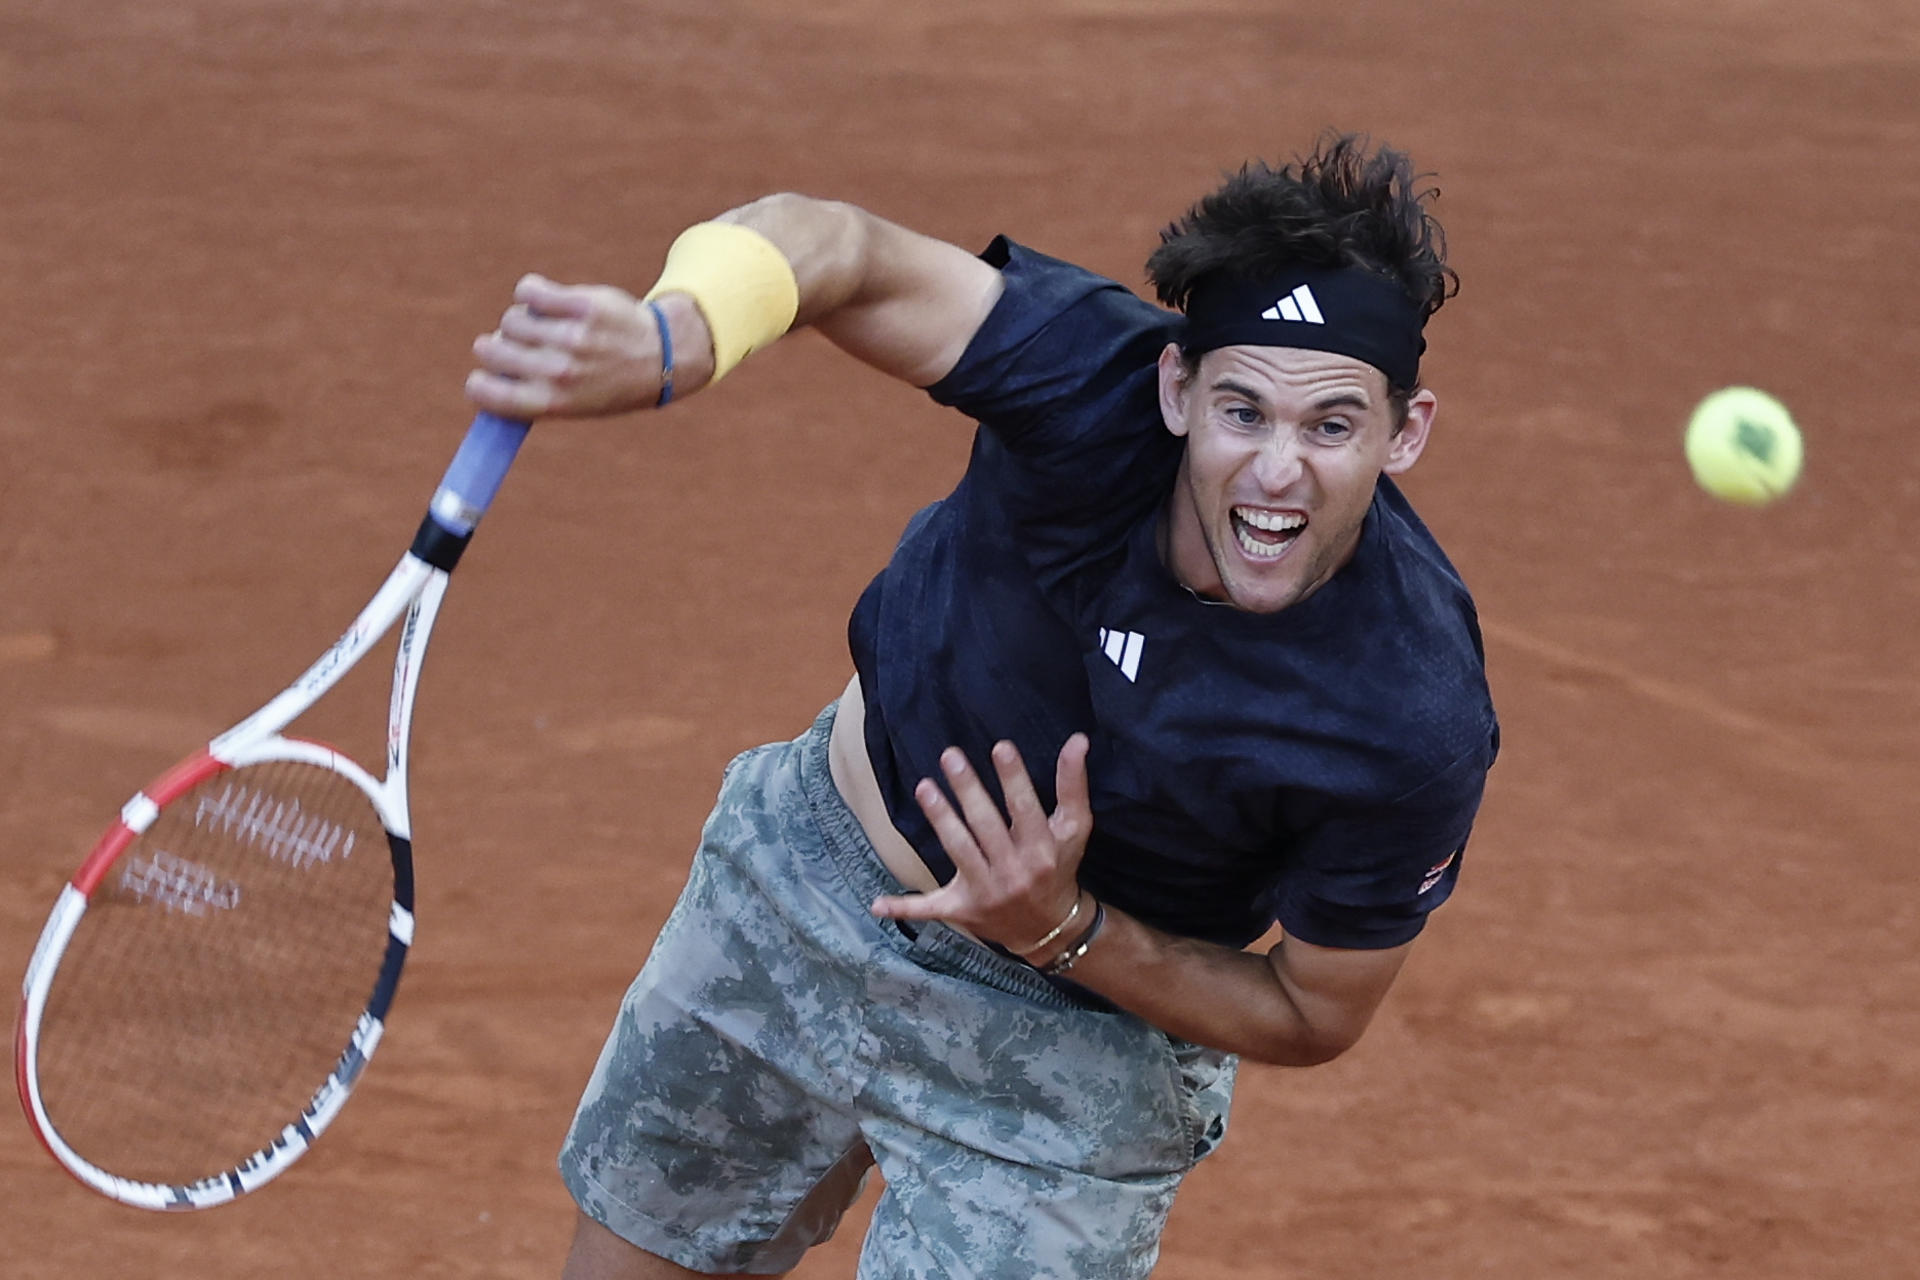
point(742, 283)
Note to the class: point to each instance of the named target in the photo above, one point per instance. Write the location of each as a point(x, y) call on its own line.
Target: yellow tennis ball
point(1743, 446)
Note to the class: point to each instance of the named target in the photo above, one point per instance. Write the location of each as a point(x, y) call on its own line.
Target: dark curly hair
point(1345, 204)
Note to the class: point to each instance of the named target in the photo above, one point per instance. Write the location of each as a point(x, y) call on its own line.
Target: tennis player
point(1175, 661)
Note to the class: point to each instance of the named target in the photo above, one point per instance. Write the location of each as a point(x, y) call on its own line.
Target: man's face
point(1284, 447)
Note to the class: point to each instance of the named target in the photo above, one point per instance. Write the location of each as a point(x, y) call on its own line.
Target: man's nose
point(1278, 463)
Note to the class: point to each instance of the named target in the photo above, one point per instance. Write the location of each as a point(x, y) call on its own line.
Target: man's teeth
point(1246, 520)
point(1273, 521)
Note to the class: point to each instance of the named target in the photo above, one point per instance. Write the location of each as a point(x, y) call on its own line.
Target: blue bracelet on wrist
point(666, 355)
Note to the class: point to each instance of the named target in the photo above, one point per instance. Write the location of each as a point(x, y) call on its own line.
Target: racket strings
point(218, 973)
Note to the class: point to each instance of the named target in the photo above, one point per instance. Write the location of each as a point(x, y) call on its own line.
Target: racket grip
point(467, 490)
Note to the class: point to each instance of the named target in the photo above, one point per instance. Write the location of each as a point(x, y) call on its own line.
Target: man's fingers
point(1073, 808)
point(1023, 802)
point(552, 299)
point(913, 906)
point(538, 329)
point(501, 354)
point(954, 834)
point(509, 397)
point(984, 819)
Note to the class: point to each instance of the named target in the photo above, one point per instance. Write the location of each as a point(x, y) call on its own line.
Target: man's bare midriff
point(853, 778)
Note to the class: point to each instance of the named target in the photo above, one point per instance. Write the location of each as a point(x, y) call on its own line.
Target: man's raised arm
point(905, 303)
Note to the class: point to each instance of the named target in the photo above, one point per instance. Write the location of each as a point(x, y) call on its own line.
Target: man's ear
point(1411, 440)
point(1175, 387)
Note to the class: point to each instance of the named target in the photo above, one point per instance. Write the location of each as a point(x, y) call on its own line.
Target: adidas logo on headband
point(1298, 306)
point(1367, 315)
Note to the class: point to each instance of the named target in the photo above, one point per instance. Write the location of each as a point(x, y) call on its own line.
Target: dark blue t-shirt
point(1320, 766)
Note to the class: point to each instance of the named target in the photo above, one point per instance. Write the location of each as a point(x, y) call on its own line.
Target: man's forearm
point(1015, 876)
point(1297, 1006)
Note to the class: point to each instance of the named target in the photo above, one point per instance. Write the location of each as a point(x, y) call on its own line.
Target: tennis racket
point(215, 976)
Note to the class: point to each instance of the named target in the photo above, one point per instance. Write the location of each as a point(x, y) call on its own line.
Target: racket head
point(216, 975)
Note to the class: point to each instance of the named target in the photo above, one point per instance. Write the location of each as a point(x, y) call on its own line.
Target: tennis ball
point(1743, 446)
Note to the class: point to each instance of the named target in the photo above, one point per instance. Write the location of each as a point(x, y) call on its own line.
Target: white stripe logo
point(1123, 648)
point(1300, 306)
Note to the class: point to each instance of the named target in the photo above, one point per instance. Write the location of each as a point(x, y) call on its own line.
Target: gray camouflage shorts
point(780, 1041)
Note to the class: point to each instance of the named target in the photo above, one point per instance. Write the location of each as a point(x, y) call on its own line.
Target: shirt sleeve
point(1062, 351)
point(1367, 879)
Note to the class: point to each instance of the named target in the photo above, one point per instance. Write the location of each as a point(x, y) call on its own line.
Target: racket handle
point(467, 490)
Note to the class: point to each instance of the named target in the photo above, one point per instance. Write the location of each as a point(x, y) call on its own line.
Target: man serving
point(1174, 662)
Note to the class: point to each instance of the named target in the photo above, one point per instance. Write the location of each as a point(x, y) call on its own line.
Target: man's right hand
point(584, 351)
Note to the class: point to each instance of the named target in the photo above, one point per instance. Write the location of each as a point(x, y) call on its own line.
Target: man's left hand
point(1015, 876)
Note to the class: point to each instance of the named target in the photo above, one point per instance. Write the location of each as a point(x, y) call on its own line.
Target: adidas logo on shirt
point(1299, 306)
point(1123, 647)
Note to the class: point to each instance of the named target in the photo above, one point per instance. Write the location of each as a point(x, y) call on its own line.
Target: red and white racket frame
point(413, 591)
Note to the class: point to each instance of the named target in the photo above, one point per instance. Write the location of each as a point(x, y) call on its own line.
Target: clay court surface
point(1669, 1026)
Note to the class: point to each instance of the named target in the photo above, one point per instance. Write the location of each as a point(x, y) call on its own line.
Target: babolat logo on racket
point(276, 826)
point(177, 885)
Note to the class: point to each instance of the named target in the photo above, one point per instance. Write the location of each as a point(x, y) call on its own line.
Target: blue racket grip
point(474, 476)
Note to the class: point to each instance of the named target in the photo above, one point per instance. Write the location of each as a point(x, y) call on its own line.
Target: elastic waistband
point(932, 944)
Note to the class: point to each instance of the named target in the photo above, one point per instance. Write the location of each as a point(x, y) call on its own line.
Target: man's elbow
point(1327, 999)
point(1309, 1049)
point(1308, 1033)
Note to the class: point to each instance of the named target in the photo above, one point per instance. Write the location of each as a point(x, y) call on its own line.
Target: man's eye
point(1243, 416)
point(1334, 429)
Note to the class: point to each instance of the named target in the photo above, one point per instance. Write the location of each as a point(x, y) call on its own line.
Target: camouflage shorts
point(781, 1041)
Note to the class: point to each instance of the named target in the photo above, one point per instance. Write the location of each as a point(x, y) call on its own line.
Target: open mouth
point(1266, 535)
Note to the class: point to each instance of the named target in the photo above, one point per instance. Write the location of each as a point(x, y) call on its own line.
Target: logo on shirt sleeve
point(1123, 648)
point(1437, 870)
